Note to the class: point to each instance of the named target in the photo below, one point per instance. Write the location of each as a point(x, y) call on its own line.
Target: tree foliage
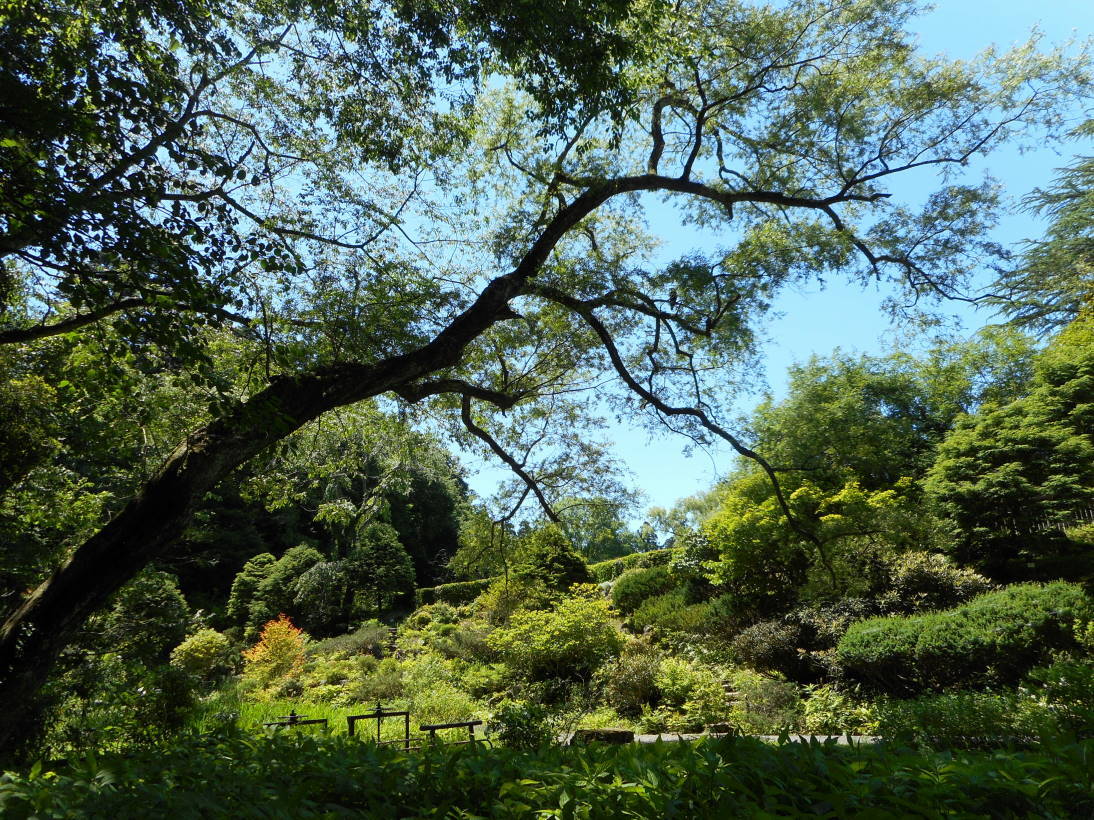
point(331, 181)
point(1051, 285)
point(547, 557)
point(1011, 477)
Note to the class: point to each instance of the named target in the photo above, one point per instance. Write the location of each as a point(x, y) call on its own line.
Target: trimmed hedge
point(456, 594)
point(636, 585)
point(994, 639)
point(614, 567)
point(463, 592)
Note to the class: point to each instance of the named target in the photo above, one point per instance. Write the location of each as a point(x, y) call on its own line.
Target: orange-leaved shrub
point(278, 653)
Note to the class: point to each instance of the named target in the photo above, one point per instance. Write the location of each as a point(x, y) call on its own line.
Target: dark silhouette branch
point(655, 401)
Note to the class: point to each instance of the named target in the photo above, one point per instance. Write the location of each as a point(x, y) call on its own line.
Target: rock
point(583, 737)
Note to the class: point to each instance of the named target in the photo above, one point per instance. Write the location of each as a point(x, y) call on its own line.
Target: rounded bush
point(637, 585)
point(206, 655)
point(772, 646)
point(921, 581)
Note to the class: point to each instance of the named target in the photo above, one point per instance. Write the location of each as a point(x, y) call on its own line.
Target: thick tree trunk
point(48, 619)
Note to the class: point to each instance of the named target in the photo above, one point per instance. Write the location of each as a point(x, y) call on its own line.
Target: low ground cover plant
point(297, 776)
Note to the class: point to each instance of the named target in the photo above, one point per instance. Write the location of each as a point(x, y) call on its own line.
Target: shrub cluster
point(798, 644)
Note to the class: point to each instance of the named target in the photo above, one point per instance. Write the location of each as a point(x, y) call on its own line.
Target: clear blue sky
point(816, 321)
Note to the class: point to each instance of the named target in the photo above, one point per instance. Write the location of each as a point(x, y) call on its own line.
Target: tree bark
point(34, 634)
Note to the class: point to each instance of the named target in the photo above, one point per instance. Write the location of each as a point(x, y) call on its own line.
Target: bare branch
point(499, 451)
point(698, 414)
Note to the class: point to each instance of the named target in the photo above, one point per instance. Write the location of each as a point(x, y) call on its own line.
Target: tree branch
point(499, 451)
point(42, 331)
point(666, 409)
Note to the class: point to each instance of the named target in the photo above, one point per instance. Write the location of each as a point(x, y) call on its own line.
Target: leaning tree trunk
point(36, 632)
point(48, 619)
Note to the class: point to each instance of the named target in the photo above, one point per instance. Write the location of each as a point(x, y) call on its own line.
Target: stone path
point(674, 737)
point(841, 740)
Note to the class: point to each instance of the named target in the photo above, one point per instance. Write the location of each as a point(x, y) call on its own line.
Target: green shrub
point(676, 679)
point(671, 613)
point(569, 641)
point(764, 705)
point(919, 581)
point(110, 703)
point(796, 644)
point(385, 683)
point(245, 586)
point(455, 594)
point(149, 618)
point(1067, 689)
point(637, 585)
point(464, 641)
point(442, 703)
point(828, 711)
point(498, 603)
point(706, 707)
point(484, 679)
point(522, 725)
point(774, 646)
point(206, 655)
point(822, 625)
point(630, 682)
point(276, 591)
point(960, 719)
point(692, 697)
point(547, 556)
point(993, 639)
point(369, 638)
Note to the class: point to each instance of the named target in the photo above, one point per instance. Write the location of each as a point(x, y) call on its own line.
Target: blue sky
point(816, 321)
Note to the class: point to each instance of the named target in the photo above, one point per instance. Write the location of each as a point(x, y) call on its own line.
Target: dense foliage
point(230, 776)
point(994, 639)
point(265, 268)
